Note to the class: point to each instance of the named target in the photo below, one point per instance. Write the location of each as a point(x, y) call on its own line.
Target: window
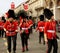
point(58, 2)
point(51, 4)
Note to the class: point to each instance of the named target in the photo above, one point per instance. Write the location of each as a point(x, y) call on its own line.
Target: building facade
point(35, 7)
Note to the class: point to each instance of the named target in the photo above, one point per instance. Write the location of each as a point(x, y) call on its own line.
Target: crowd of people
point(46, 29)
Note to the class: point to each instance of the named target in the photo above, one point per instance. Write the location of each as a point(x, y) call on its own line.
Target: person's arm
point(45, 32)
point(4, 27)
point(45, 37)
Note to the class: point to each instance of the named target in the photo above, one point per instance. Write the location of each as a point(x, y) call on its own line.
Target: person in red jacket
point(17, 23)
point(30, 23)
point(40, 27)
point(1, 27)
point(10, 28)
point(50, 32)
point(24, 26)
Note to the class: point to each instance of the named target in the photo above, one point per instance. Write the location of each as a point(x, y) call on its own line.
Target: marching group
point(46, 29)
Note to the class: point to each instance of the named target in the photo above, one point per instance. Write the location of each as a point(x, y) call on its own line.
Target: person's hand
point(6, 31)
point(45, 37)
point(46, 40)
point(21, 31)
point(16, 31)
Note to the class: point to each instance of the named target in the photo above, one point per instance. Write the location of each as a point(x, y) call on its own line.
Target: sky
point(5, 5)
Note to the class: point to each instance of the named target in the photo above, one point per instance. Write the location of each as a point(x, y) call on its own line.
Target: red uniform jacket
point(16, 22)
point(50, 29)
point(21, 20)
point(1, 25)
point(24, 26)
point(10, 27)
point(40, 26)
point(30, 22)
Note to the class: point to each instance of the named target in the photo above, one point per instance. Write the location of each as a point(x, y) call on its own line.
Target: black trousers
point(11, 39)
point(30, 31)
point(24, 40)
point(1, 33)
point(52, 43)
point(4, 33)
point(41, 36)
point(34, 25)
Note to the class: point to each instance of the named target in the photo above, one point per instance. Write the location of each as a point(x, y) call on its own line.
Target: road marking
point(58, 40)
point(7, 51)
point(4, 38)
point(6, 44)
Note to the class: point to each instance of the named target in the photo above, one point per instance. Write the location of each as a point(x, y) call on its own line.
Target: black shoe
point(23, 50)
point(39, 42)
point(44, 43)
point(27, 49)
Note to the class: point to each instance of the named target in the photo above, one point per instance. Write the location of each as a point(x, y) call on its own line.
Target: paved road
point(34, 46)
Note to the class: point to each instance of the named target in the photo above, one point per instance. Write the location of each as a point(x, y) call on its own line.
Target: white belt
point(24, 28)
point(51, 31)
point(41, 27)
point(1, 26)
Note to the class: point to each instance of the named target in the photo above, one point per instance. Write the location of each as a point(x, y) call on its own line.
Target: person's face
point(52, 18)
point(11, 19)
point(24, 19)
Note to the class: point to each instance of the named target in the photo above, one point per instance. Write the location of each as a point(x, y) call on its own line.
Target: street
point(34, 46)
